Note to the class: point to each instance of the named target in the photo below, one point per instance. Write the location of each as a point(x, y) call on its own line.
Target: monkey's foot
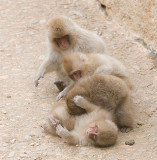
point(79, 101)
point(62, 132)
point(60, 85)
point(47, 128)
point(125, 130)
point(53, 121)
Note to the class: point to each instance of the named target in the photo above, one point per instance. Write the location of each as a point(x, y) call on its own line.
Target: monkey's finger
point(36, 83)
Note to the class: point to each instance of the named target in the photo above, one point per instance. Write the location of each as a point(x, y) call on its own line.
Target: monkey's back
point(106, 91)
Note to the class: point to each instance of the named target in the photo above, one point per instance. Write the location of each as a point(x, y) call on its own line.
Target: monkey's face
point(75, 75)
point(103, 133)
point(74, 65)
point(92, 133)
point(62, 42)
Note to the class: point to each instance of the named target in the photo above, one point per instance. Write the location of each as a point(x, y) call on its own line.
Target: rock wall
point(139, 15)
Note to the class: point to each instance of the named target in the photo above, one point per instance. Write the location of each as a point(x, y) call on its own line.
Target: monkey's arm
point(46, 66)
point(83, 103)
point(69, 137)
point(65, 91)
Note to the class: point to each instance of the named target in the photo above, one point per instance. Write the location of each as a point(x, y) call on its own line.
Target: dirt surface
point(24, 107)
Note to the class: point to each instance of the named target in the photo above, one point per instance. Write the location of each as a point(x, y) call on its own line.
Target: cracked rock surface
point(23, 107)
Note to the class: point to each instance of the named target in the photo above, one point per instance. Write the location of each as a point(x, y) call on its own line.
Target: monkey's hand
point(39, 75)
point(62, 132)
point(64, 92)
point(61, 95)
point(80, 101)
point(45, 125)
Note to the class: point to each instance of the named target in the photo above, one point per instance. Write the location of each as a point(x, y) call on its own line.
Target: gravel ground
point(24, 107)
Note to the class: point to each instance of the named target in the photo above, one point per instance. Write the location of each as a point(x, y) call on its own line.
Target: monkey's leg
point(69, 137)
point(65, 91)
point(124, 116)
point(50, 126)
point(46, 66)
point(60, 85)
point(83, 103)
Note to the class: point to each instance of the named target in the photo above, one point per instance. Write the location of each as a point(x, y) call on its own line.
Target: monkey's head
point(60, 33)
point(103, 133)
point(74, 64)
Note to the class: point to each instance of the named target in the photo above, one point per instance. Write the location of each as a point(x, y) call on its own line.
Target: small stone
point(140, 123)
point(13, 141)
point(42, 21)
point(32, 144)
point(11, 154)
point(8, 96)
point(23, 155)
point(4, 112)
point(65, 7)
point(130, 142)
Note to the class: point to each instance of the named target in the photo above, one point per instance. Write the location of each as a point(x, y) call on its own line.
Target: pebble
point(65, 7)
point(130, 142)
point(11, 154)
point(8, 96)
point(32, 144)
point(13, 141)
point(23, 155)
point(42, 21)
point(4, 112)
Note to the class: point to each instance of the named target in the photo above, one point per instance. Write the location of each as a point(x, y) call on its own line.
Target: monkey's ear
point(83, 58)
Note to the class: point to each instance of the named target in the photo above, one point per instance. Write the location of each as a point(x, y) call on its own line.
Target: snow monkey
point(78, 65)
point(94, 128)
point(64, 37)
point(109, 93)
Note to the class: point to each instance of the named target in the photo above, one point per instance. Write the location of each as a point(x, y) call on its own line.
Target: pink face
point(75, 75)
point(63, 42)
point(92, 133)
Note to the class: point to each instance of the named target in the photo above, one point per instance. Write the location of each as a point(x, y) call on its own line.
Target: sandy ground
point(24, 107)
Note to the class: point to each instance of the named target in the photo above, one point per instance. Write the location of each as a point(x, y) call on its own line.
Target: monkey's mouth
point(92, 132)
point(63, 42)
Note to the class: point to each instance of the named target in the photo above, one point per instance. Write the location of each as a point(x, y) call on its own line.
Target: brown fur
point(95, 64)
point(108, 92)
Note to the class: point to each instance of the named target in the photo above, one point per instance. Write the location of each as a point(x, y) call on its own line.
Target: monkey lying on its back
point(95, 128)
point(108, 92)
point(104, 99)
